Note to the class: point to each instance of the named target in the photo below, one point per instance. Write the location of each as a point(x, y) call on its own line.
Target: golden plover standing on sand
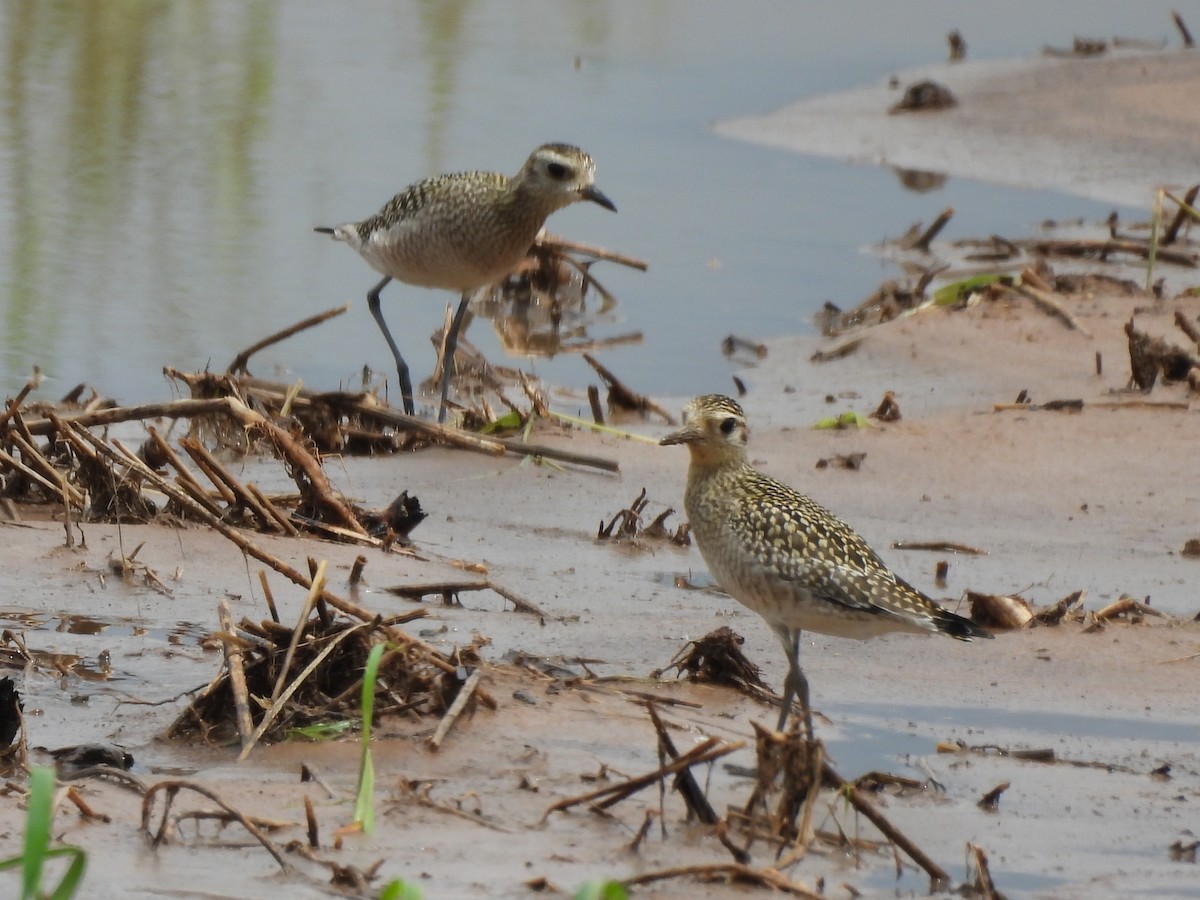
point(785, 556)
point(465, 231)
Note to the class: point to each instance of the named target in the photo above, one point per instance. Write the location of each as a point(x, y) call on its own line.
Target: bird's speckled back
point(783, 554)
point(464, 230)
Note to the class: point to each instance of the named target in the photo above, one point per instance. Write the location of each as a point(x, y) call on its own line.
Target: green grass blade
point(848, 419)
point(400, 889)
point(37, 831)
point(36, 851)
point(319, 731)
point(960, 290)
point(506, 422)
point(602, 890)
point(1155, 226)
point(364, 804)
point(73, 877)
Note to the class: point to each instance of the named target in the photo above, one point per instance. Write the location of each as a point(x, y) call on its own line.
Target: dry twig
point(706, 751)
point(734, 872)
point(170, 789)
point(465, 693)
point(239, 362)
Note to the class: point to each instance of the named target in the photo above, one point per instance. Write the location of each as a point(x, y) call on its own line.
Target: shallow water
point(162, 165)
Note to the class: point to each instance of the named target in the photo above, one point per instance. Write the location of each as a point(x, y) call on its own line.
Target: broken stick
point(460, 703)
point(237, 674)
point(1048, 304)
point(239, 362)
point(622, 396)
point(706, 751)
point(859, 801)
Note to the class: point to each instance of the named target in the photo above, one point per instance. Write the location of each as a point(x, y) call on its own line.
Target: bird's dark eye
point(557, 171)
point(728, 425)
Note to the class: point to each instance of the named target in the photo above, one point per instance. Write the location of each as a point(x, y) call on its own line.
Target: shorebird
point(465, 231)
point(785, 556)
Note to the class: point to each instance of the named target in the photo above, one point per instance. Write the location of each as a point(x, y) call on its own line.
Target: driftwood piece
point(557, 454)
point(166, 824)
point(1077, 405)
point(319, 490)
point(706, 751)
point(1151, 356)
point(593, 395)
point(447, 590)
point(859, 801)
point(1187, 208)
point(177, 409)
point(922, 243)
point(50, 487)
point(557, 244)
point(121, 498)
point(239, 362)
point(237, 674)
point(736, 872)
point(1047, 303)
point(843, 349)
point(465, 693)
point(620, 395)
point(685, 782)
point(1188, 327)
point(233, 491)
point(1102, 248)
point(1184, 32)
point(279, 519)
point(186, 479)
point(1044, 755)
point(939, 547)
point(14, 405)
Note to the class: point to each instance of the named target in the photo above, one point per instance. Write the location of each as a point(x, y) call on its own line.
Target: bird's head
point(562, 174)
point(714, 430)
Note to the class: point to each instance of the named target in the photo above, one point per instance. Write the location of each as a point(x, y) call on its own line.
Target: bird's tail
point(958, 626)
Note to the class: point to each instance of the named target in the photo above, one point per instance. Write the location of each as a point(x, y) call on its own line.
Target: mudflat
point(1101, 500)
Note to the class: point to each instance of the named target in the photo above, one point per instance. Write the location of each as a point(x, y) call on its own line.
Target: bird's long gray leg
point(795, 685)
point(406, 391)
point(448, 353)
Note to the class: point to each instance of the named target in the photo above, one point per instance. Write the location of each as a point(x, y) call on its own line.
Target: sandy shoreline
point(1110, 128)
point(1101, 501)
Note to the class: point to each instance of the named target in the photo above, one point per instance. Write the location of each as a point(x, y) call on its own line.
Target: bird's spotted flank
point(784, 555)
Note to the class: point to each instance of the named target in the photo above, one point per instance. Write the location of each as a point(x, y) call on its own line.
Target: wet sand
point(1102, 500)
point(1112, 128)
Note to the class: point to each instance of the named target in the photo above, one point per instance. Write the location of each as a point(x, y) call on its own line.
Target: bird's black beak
point(593, 193)
point(685, 435)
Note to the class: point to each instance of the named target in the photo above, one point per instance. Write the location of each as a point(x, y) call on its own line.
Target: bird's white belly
point(431, 258)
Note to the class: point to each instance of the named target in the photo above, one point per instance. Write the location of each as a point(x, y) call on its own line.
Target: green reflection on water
point(107, 107)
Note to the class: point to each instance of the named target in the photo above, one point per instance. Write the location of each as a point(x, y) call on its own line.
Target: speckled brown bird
point(785, 556)
point(465, 231)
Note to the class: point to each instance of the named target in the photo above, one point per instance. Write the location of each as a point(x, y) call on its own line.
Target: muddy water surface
point(161, 169)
